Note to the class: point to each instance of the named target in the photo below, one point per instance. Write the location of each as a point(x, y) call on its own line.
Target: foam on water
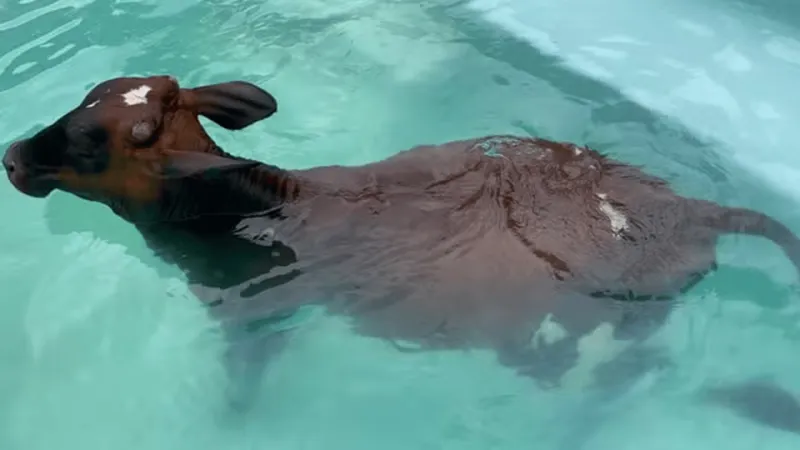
point(102, 346)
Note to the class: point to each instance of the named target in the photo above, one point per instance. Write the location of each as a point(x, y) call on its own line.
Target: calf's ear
point(233, 105)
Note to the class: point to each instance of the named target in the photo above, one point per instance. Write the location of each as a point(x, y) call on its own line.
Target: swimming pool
point(103, 347)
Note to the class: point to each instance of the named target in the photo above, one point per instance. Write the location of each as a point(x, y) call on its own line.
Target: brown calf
point(520, 245)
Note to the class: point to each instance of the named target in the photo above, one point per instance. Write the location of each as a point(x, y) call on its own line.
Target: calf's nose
point(10, 158)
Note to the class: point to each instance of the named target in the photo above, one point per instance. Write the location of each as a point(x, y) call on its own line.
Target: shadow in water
point(784, 12)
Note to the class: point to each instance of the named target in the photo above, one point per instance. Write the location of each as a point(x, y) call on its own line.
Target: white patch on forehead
point(549, 332)
point(93, 104)
point(578, 151)
point(618, 220)
point(137, 96)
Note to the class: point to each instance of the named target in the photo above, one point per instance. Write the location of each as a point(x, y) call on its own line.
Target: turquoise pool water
point(102, 347)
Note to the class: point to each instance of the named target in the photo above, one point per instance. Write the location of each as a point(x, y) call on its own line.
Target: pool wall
point(727, 71)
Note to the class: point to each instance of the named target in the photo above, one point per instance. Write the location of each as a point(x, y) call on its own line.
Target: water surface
point(103, 347)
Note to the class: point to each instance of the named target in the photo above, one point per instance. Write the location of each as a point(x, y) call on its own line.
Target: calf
point(528, 247)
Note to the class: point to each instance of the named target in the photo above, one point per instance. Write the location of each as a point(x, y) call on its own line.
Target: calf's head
point(129, 136)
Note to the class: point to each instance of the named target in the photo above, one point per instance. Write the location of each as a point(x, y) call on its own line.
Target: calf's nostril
point(8, 161)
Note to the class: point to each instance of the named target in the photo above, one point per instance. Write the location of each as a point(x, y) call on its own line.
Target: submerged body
point(521, 245)
point(535, 249)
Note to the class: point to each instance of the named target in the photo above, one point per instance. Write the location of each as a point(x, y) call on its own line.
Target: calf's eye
point(142, 132)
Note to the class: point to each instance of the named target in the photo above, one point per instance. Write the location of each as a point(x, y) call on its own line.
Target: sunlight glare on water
point(103, 347)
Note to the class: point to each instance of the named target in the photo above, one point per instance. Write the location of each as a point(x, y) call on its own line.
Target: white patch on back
point(93, 104)
point(549, 332)
point(137, 96)
point(618, 220)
